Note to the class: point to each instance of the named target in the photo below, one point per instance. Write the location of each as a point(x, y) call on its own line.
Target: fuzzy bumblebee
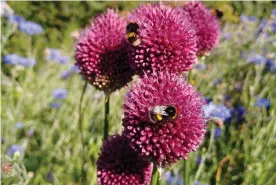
point(162, 113)
point(132, 33)
point(217, 13)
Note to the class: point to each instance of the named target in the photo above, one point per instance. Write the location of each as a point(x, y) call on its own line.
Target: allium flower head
point(167, 37)
point(102, 53)
point(171, 139)
point(206, 25)
point(119, 164)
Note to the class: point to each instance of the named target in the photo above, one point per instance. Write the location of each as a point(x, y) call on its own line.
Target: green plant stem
point(190, 75)
point(202, 162)
point(106, 115)
point(155, 176)
point(83, 175)
point(186, 172)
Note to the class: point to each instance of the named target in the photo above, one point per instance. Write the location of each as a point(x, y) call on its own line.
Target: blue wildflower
point(53, 54)
point(200, 67)
point(273, 12)
point(27, 62)
point(65, 74)
point(15, 148)
point(243, 18)
point(59, 93)
point(212, 110)
point(30, 28)
point(15, 19)
point(273, 68)
point(216, 81)
point(18, 60)
point(63, 59)
point(262, 102)
point(75, 69)
point(252, 18)
point(198, 160)
point(226, 36)
point(11, 59)
point(19, 125)
point(173, 179)
point(55, 105)
point(208, 100)
point(273, 27)
point(256, 59)
point(217, 132)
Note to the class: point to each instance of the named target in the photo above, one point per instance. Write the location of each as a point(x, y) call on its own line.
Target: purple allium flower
point(55, 105)
point(168, 40)
point(206, 25)
point(212, 110)
point(15, 148)
point(169, 140)
point(119, 164)
point(19, 125)
point(30, 27)
point(262, 102)
point(102, 53)
point(217, 132)
point(59, 93)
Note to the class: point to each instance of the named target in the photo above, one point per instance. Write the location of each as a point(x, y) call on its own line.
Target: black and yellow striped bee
point(132, 33)
point(162, 113)
point(217, 13)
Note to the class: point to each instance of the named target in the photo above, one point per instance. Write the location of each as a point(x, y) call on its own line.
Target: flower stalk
point(155, 176)
point(106, 115)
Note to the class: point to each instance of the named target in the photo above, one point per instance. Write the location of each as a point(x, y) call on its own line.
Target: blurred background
point(41, 87)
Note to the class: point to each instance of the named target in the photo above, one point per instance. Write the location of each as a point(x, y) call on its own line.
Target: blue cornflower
point(19, 125)
point(252, 18)
point(198, 160)
point(75, 69)
point(63, 59)
point(15, 19)
point(65, 74)
point(55, 105)
point(273, 12)
point(208, 100)
point(262, 102)
point(216, 81)
point(18, 60)
point(11, 59)
point(27, 62)
point(273, 68)
point(226, 35)
point(217, 132)
point(53, 54)
point(59, 93)
point(256, 59)
point(243, 18)
point(29, 27)
point(15, 148)
point(273, 27)
point(200, 67)
point(173, 179)
point(212, 110)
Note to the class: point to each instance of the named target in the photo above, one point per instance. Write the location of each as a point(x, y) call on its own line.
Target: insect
point(162, 112)
point(217, 13)
point(132, 33)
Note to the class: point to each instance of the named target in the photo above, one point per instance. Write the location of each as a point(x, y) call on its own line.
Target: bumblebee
point(162, 113)
point(132, 33)
point(217, 13)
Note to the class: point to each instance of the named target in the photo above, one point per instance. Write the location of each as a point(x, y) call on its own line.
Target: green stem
point(83, 175)
point(190, 75)
point(202, 162)
point(155, 176)
point(186, 172)
point(106, 115)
